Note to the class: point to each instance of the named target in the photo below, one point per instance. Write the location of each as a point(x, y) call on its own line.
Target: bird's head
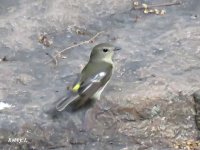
point(103, 51)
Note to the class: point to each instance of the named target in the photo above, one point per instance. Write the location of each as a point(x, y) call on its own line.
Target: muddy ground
point(148, 103)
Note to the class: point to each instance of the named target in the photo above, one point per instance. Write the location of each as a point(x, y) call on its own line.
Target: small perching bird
point(93, 78)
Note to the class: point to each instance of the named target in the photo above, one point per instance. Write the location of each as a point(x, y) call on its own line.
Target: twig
point(159, 5)
point(84, 42)
point(54, 58)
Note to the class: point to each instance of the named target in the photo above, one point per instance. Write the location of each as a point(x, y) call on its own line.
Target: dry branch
point(159, 5)
point(58, 54)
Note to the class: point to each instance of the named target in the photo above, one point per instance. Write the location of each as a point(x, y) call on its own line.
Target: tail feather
point(66, 101)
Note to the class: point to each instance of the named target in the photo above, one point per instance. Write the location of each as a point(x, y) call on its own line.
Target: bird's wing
point(85, 90)
point(92, 84)
point(70, 96)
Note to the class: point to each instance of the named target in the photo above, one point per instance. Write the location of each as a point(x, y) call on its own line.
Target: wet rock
point(148, 102)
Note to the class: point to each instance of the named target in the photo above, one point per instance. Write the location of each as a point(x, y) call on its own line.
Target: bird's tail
point(66, 101)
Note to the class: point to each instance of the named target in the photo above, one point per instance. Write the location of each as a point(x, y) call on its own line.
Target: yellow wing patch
point(76, 87)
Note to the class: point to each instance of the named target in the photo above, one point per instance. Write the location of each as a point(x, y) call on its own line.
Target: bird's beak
point(117, 49)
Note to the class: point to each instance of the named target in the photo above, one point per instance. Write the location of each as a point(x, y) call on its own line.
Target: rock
point(196, 96)
point(148, 102)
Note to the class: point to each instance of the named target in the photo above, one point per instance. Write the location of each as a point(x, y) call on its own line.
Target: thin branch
point(58, 54)
point(84, 42)
point(53, 58)
point(159, 5)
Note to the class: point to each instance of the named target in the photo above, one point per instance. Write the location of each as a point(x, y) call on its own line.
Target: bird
point(92, 80)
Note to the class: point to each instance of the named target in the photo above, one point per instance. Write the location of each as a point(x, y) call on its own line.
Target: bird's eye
point(105, 50)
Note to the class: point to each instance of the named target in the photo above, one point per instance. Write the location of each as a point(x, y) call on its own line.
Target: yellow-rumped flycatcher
point(93, 78)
